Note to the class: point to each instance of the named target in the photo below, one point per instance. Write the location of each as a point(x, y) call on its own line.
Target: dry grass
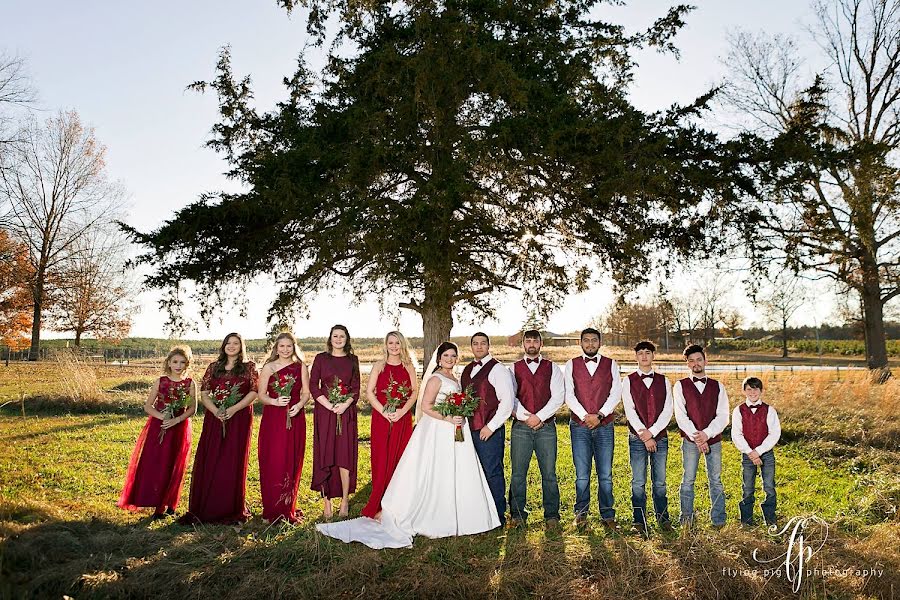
point(60, 532)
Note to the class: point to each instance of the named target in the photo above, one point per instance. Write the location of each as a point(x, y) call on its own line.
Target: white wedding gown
point(438, 489)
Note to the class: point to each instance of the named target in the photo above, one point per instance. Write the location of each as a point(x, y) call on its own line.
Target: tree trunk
point(78, 333)
point(784, 339)
point(437, 320)
point(37, 299)
point(876, 346)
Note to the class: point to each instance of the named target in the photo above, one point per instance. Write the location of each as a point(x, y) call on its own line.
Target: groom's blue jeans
point(490, 453)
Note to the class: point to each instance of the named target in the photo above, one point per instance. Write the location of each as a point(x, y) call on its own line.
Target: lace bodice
point(448, 386)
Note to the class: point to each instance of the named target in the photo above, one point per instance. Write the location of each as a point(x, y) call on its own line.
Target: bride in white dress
point(438, 488)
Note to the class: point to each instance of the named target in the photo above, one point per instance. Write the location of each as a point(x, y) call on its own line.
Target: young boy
point(755, 429)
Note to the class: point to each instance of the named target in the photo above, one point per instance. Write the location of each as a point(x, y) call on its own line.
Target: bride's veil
point(426, 374)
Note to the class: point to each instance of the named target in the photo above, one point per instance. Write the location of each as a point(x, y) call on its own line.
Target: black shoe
point(158, 516)
point(170, 511)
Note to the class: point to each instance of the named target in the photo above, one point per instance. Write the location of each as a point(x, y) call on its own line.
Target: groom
point(493, 385)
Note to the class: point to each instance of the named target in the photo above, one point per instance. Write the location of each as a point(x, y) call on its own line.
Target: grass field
point(62, 464)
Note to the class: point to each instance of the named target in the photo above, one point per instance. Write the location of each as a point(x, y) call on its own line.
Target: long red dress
point(219, 479)
point(388, 441)
point(281, 451)
point(331, 451)
point(156, 469)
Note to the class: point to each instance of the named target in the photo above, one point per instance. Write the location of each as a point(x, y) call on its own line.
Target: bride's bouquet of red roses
point(460, 404)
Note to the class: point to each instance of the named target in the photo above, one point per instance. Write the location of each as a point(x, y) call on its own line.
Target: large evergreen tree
point(449, 151)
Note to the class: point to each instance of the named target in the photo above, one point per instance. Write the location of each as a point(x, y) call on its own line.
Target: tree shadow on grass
point(93, 423)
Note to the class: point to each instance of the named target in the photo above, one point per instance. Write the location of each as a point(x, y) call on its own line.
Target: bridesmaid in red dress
point(156, 469)
point(335, 456)
point(219, 479)
point(282, 430)
point(391, 430)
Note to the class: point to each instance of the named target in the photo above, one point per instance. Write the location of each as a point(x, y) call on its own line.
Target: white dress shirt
point(737, 430)
point(504, 385)
point(719, 422)
point(557, 391)
point(615, 393)
point(631, 413)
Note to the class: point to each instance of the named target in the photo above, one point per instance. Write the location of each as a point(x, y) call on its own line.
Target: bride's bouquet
point(460, 404)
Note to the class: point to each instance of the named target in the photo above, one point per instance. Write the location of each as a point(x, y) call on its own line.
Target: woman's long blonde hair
point(180, 350)
point(407, 356)
point(284, 335)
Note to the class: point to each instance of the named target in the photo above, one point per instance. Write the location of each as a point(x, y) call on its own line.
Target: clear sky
point(124, 67)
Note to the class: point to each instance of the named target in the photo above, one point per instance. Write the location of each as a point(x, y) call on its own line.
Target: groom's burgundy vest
point(487, 407)
point(701, 408)
point(534, 389)
point(592, 391)
point(648, 402)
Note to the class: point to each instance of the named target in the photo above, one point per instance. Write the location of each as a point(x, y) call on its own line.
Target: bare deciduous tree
point(53, 182)
point(94, 294)
point(830, 203)
point(15, 90)
point(784, 298)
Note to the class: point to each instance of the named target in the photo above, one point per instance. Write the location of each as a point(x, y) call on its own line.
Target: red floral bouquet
point(395, 395)
point(282, 385)
point(179, 398)
point(339, 393)
point(460, 404)
point(224, 398)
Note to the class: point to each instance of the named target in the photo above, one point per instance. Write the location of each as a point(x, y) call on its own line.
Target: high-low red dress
point(281, 451)
point(388, 441)
point(156, 469)
point(219, 478)
point(330, 450)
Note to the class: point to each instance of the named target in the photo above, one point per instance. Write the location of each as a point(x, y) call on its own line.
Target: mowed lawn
point(61, 534)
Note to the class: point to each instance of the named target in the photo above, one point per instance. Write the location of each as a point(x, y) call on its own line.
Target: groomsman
point(540, 391)
point(701, 411)
point(647, 399)
point(593, 389)
point(494, 386)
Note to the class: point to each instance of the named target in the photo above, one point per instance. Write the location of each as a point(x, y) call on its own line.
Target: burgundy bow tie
point(646, 375)
point(591, 359)
point(703, 379)
point(532, 360)
point(477, 363)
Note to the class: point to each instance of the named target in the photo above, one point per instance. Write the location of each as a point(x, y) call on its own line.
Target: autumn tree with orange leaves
point(15, 299)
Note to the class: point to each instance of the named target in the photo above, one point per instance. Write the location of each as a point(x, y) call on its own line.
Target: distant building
point(550, 339)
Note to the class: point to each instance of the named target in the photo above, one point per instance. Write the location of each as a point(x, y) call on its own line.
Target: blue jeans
point(597, 444)
point(490, 453)
point(749, 483)
point(525, 442)
point(691, 457)
point(640, 456)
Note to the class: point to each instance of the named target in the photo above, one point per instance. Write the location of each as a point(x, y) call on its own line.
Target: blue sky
point(124, 67)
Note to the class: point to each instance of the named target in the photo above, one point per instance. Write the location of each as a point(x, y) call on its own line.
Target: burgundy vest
point(592, 392)
point(755, 427)
point(487, 407)
point(701, 408)
point(534, 390)
point(648, 402)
